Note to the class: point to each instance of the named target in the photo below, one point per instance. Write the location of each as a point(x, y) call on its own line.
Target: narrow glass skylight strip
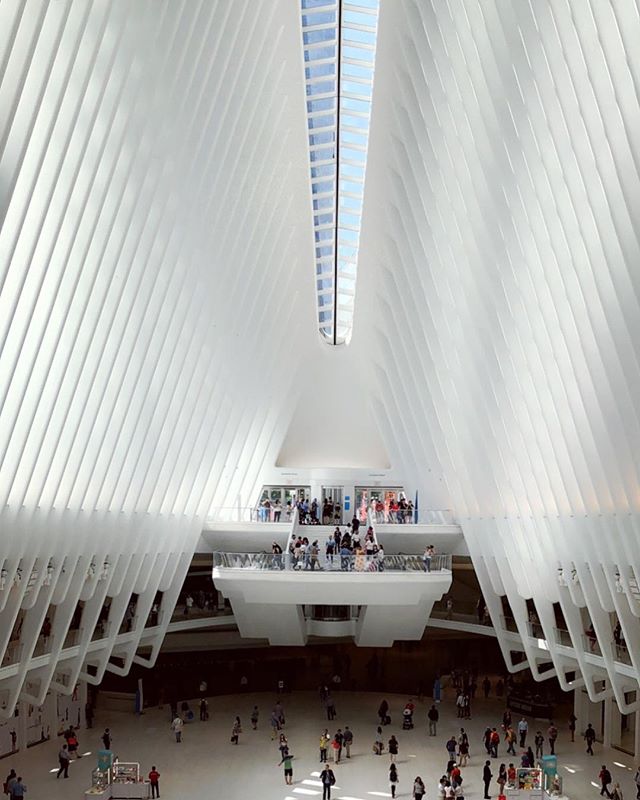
point(339, 40)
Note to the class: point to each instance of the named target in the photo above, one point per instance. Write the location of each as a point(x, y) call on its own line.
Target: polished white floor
point(207, 765)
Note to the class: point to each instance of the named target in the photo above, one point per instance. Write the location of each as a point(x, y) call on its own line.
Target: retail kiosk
point(119, 780)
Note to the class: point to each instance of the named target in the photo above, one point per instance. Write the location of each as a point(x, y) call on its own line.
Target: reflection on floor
point(207, 765)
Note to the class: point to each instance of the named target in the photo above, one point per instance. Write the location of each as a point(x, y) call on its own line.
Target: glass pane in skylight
point(355, 35)
point(353, 188)
point(361, 123)
point(319, 70)
point(356, 88)
point(358, 53)
point(318, 53)
point(349, 137)
point(341, 106)
point(318, 18)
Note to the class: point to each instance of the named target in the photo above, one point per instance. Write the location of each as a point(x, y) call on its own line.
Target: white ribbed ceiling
point(501, 296)
point(158, 316)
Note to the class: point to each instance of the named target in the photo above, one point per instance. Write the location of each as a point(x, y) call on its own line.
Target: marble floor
point(207, 765)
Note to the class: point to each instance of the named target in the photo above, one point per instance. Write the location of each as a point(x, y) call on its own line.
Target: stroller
point(407, 719)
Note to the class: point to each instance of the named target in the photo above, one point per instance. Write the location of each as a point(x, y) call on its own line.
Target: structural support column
point(612, 723)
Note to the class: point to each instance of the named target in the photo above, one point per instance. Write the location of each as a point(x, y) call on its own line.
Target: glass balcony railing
point(250, 514)
point(336, 563)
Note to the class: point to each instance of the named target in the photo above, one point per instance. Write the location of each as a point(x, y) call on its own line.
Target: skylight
point(339, 40)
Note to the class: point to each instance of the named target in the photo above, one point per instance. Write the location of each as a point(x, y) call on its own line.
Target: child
point(393, 779)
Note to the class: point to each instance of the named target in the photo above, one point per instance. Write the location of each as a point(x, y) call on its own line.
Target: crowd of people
point(347, 551)
point(391, 510)
point(508, 747)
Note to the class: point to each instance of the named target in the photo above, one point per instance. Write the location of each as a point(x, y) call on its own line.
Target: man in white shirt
point(176, 727)
point(523, 729)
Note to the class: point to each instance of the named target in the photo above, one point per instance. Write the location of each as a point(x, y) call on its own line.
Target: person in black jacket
point(328, 779)
point(433, 716)
point(486, 778)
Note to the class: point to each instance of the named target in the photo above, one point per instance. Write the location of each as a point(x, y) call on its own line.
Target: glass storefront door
point(376, 499)
point(331, 505)
point(283, 498)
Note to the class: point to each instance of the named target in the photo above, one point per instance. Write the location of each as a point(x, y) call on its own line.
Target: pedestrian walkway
point(206, 764)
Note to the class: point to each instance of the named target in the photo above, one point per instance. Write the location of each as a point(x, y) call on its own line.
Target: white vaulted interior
point(161, 285)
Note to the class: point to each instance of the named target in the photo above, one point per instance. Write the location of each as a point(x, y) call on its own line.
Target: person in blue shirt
point(18, 789)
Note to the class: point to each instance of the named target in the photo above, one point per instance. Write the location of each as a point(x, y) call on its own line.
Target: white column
point(612, 723)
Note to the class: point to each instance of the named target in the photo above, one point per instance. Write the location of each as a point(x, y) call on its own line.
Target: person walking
point(539, 743)
point(9, 783)
point(328, 779)
point(236, 731)
point(502, 778)
point(283, 744)
point(347, 740)
point(486, 779)
point(616, 792)
point(572, 726)
point(336, 745)
point(254, 718)
point(433, 715)
point(463, 752)
point(418, 788)
point(63, 760)
point(494, 741)
point(590, 737)
point(88, 715)
point(552, 735)
point(393, 779)
point(324, 743)
point(393, 748)
point(176, 727)
point(106, 739)
point(378, 745)
point(287, 758)
point(18, 790)
point(204, 710)
point(605, 780)
point(511, 739)
point(154, 780)
point(331, 708)
point(72, 742)
point(523, 729)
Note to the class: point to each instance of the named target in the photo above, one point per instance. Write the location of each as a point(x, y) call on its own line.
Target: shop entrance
point(370, 498)
point(286, 496)
point(331, 510)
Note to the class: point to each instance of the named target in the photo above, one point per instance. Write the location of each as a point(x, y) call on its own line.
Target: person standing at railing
point(329, 548)
point(277, 511)
point(426, 558)
point(277, 555)
point(379, 559)
point(345, 558)
point(369, 546)
point(313, 554)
